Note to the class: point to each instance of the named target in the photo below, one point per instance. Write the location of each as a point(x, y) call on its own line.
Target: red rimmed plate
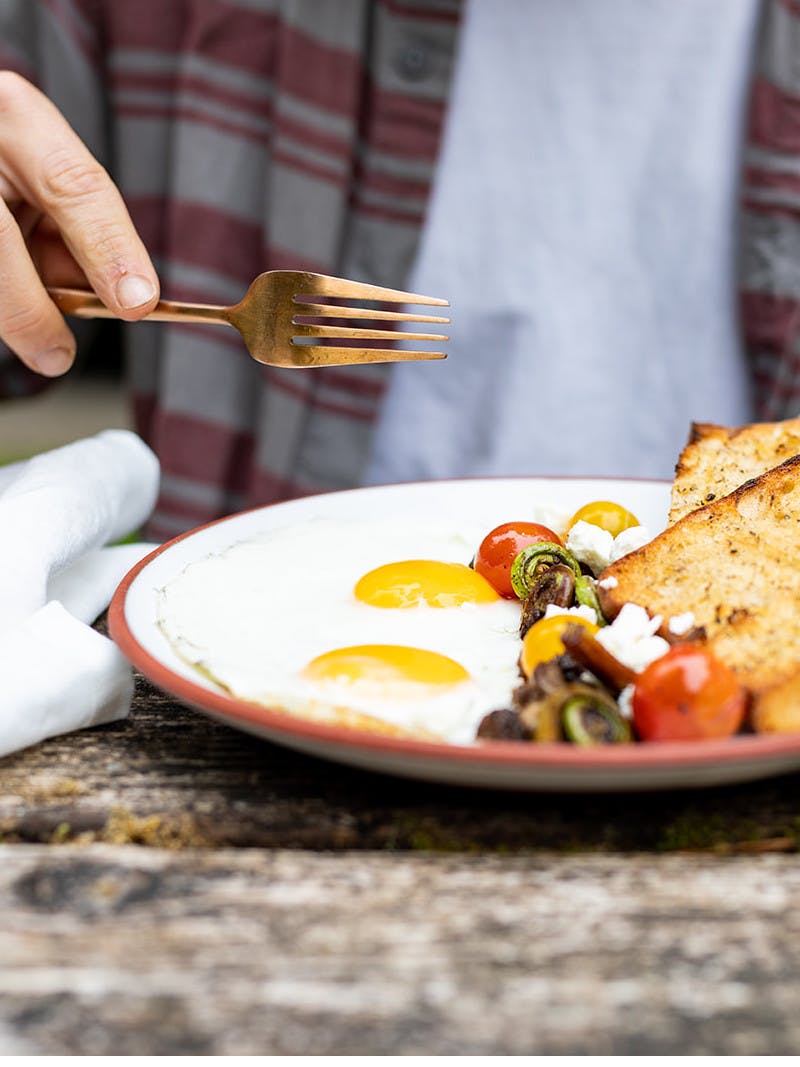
point(517, 766)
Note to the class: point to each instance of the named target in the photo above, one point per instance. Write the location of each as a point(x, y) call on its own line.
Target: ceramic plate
point(501, 765)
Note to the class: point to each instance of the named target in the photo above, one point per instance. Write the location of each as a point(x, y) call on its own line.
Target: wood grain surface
point(116, 950)
point(168, 776)
point(171, 886)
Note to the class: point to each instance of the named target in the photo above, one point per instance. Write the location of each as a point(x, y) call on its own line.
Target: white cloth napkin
point(57, 511)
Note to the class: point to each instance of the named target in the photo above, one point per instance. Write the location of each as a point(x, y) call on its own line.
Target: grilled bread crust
point(718, 459)
point(735, 563)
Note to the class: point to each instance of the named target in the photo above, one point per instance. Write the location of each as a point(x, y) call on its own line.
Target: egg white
point(253, 616)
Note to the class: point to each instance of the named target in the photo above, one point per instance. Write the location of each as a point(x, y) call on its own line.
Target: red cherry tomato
point(687, 695)
point(500, 548)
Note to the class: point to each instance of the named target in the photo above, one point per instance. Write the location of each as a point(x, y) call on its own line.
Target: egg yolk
point(423, 581)
point(396, 671)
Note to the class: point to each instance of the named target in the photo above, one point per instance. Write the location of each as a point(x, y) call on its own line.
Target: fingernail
point(53, 361)
point(134, 290)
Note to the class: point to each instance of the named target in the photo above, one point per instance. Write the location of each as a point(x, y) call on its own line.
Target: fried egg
point(381, 621)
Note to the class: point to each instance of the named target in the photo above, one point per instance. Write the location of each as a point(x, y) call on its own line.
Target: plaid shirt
point(249, 135)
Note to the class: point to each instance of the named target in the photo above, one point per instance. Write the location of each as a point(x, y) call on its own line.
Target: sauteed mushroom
point(503, 724)
point(587, 650)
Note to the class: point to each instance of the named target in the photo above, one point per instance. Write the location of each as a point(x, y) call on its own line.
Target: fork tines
point(310, 310)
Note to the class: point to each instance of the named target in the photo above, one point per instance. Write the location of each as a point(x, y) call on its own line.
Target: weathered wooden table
point(171, 886)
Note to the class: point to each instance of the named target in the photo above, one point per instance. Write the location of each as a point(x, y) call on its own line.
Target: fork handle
point(87, 305)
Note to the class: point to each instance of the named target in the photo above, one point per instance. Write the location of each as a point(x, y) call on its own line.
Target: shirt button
point(412, 62)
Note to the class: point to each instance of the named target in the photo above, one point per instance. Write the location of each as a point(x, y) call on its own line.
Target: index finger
point(52, 168)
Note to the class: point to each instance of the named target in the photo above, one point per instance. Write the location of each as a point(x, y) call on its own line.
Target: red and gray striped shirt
point(249, 135)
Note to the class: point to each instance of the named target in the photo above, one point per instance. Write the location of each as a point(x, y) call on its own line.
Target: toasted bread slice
point(718, 459)
point(735, 563)
point(777, 710)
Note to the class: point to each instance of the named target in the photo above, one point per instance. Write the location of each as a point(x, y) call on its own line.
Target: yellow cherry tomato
point(607, 515)
point(543, 641)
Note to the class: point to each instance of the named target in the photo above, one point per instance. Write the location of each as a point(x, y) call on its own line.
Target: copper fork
point(273, 315)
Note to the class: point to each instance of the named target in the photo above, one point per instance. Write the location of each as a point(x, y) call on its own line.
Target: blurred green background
point(90, 398)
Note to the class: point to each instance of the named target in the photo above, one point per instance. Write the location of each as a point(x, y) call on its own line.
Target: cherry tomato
point(543, 641)
point(607, 515)
point(500, 548)
point(687, 695)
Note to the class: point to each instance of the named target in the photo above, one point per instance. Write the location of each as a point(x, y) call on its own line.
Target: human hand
point(62, 222)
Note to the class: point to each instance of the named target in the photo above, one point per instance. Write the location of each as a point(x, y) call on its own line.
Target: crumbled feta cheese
point(590, 545)
point(632, 637)
point(596, 548)
point(625, 702)
point(632, 538)
point(681, 624)
point(583, 610)
point(548, 514)
point(608, 583)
